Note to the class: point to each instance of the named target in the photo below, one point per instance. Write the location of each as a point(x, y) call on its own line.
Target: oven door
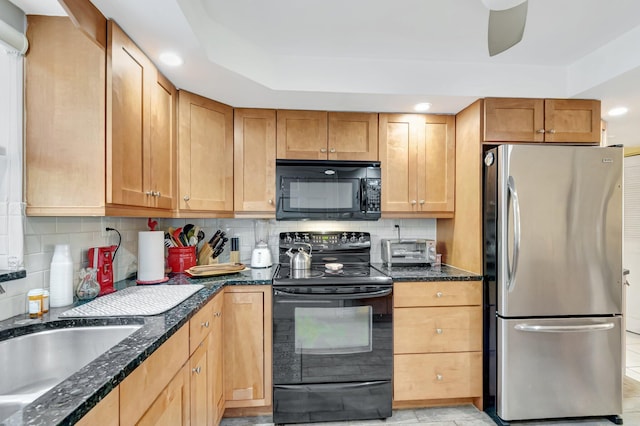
point(332, 334)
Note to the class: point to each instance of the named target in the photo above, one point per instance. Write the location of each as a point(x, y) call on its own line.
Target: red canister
point(181, 258)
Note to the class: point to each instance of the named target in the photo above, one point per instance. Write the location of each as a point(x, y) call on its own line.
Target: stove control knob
point(306, 238)
point(353, 238)
point(344, 237)
point(288, 238)
point(361, 238)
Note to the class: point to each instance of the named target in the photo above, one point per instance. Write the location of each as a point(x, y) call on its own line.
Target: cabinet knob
point(540, 131)
point(196, 370)
point(439, 330)
point(421, 201)
point(439, 294)
point(186, 198)
point(413, 202)
point(205, 324)
point(332, 150)
point(156, 194)
point(439, 377)
point(217, 314)
point(149, 193)
point(270, 201)
point(323, 149)
point(552, 131)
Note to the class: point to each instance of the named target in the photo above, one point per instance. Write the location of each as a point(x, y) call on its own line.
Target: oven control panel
point(339, 240)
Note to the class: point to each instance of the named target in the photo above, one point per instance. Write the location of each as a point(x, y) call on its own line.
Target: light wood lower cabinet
point(247, 350)
point(105, 412)
point(437, 330)
point(160, 383)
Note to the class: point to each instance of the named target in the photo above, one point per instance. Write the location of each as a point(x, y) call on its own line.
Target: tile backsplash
point(41, 234)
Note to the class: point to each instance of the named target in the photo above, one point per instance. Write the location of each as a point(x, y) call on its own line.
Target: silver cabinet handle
point(149, 193)
point(439, 330)
point(205, 324)
point(186, 198)
point(511, 271)
point(540, 131)
point(217, 314)
point(439, 377)
point(270, 201)
point(196, 370)
point(552, 131)
point(323, 149)
point(156, 193)
point(413, 202)
point(439, 294)
point(421, 201)
point(564, 328)
point(332, 150)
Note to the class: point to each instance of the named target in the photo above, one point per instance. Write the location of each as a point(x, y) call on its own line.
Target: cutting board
point(215, 269)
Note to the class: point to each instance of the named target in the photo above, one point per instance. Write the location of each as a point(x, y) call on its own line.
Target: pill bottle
point(45, 301)
point(35, 302)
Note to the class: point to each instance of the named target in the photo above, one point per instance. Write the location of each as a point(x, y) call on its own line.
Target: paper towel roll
point(150, 256)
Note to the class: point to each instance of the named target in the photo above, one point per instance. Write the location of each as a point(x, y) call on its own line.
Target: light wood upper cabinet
point(541, 120)
point(417, 155)
point(353, 136)
point(247, 350)
point(64, 156)
point(254, 150)
point(205, 157)
point(140, 133)
point(318, 135)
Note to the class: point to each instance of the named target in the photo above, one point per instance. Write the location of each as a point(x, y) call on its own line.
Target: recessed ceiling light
point(423, 106)
point(171, 58)
point(618, 111)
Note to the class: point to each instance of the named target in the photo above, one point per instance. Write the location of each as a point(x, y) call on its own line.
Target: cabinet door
point(171, 408)
point(64, 105)
point(353, 136)
point(199, 386)
point(247, 350)
point(399, 161)
point(130, 77)
point(104, 412)
point(436, 163)
point(302, 134)
point(572, 120)
point(205, 154)
point(162, 156)
point(254, 159)
point(514, 120)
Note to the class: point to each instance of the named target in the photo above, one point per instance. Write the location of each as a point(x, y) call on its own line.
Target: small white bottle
point(61, 277)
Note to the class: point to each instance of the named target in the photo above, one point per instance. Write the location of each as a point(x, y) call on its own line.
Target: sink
point(32, 364)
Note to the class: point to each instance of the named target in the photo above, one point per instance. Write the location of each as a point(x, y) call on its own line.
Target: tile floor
point(468, 415)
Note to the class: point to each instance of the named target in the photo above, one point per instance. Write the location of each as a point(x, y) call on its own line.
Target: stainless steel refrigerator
point(553, 282)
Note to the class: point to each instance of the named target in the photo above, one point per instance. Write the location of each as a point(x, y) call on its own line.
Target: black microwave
point(327, 190)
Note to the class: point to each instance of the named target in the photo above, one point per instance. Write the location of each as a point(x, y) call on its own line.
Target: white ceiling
point(387, 55)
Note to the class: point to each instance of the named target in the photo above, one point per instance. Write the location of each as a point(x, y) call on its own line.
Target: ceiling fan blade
point(506, 27)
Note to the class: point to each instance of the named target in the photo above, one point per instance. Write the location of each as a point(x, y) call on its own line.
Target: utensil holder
point(181, 258)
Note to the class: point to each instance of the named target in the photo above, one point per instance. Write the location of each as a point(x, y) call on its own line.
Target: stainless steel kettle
point(301, 260)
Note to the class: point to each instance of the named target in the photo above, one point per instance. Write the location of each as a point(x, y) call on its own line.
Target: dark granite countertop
point(68, 401)
point(11, 275)
point(71, 399)
point(426, 273)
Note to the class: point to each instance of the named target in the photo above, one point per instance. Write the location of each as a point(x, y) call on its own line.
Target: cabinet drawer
point(437, 293)
point(437, 376)
point(420, 330)
point(200, 325)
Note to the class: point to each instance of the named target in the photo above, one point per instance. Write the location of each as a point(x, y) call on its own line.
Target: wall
point(43, 233)
point(631, 255)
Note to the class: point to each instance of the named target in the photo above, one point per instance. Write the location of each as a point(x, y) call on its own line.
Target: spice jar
point(35, 302)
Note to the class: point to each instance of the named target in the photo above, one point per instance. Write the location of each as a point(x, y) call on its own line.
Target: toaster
point(408, 251)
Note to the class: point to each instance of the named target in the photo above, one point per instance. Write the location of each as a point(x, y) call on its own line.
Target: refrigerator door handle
point(564, 328)
point(513, 197)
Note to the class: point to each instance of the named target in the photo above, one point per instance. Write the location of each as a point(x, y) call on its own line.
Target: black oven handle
point(363, 295)
point(321, 386)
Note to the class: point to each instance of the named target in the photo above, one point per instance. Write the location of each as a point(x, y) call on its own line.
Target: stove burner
point(300, 274)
